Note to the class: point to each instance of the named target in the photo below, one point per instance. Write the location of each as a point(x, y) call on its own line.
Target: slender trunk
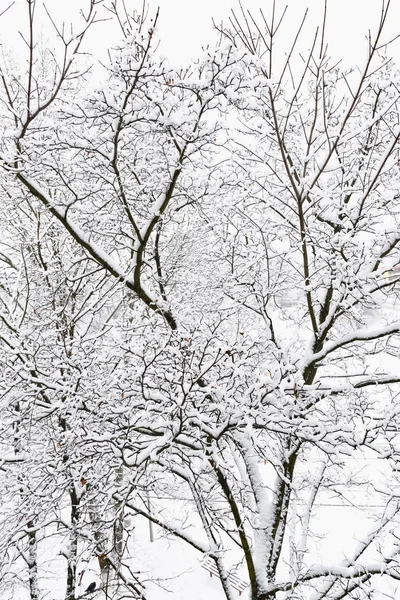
point(101, 545)
point(32, 562)
point(119, 522)
point(151, 529)
point(119, 537)
point(32, 533)
point(73, 546)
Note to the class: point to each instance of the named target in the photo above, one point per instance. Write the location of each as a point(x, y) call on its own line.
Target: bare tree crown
point(198, 308)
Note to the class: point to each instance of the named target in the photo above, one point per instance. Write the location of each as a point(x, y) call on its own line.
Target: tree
point(226, 239)
point(49, 337)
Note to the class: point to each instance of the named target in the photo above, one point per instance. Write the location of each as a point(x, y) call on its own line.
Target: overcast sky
point(186, 25)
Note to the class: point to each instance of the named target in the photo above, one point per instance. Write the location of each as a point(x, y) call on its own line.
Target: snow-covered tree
point(198, 309)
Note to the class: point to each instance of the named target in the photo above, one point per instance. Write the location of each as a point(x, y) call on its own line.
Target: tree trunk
point(32, 562)
point(119, 523)
point(73, 546)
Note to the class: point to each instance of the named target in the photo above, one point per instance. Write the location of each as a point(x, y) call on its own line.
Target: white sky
point(185, 25)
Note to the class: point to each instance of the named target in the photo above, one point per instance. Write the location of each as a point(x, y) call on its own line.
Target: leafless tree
point(218, 247)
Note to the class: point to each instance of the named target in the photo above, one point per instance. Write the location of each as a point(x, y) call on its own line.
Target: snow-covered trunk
point(307, 513)
point(73, 546)
point(32, 558)
point(260, 506)
point(32, 562)
point(119, 523)
point(101, 549)
point(245, 541)
point(119, 535)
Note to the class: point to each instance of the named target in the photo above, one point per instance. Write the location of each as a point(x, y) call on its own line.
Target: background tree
point(209, 279)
